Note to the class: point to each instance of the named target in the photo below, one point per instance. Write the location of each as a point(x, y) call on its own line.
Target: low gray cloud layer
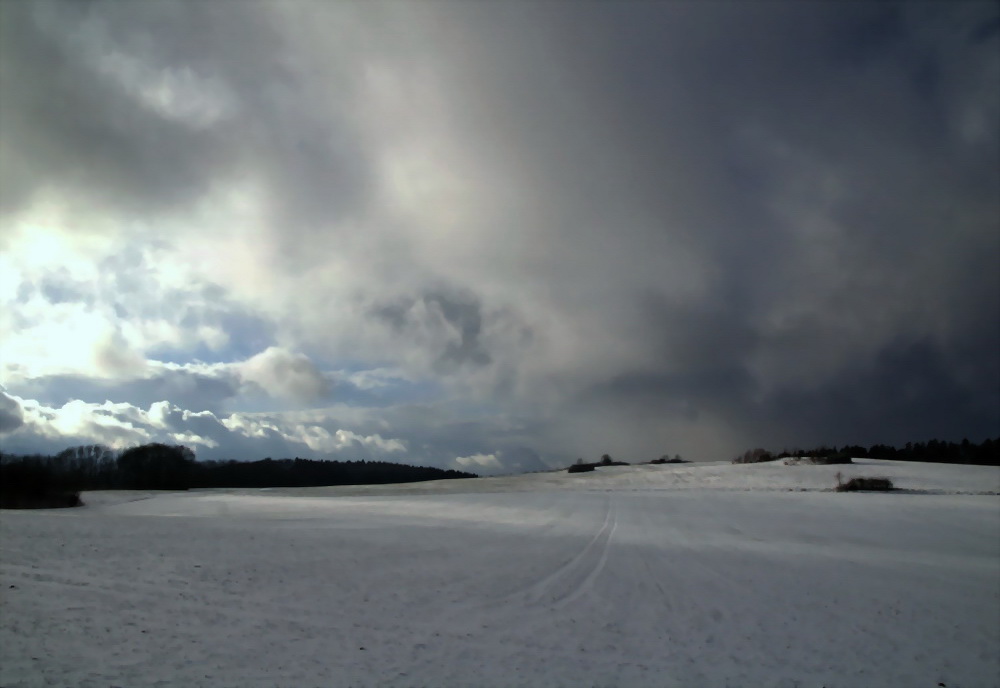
point(11, 416)
point(571, 229)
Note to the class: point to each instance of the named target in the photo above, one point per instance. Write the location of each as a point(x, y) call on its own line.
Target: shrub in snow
point(830, 460)
point(818, 460)
point(864, 485)
point(606, 460)
point(758, 455)
point(666, 459)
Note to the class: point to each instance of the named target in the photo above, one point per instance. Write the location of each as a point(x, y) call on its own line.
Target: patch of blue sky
point(247, 335)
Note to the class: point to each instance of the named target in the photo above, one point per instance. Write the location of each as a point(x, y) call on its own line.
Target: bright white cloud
point(192, 441)
point(345, 438)
point(313, 435)
point(119, 425)
point(251, 426)
point(98, 308)
point(285, 374)
point(479, 461)
point(116, 425)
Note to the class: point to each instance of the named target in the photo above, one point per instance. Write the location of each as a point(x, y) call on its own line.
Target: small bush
point(758, 455)
point(818, 460)
point(606, 460)
point(667, 459)
point(864, 485)
point(832, 460)
point(581, 468)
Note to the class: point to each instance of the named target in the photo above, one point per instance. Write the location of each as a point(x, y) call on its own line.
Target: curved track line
point(570, 580)
point(588, 580)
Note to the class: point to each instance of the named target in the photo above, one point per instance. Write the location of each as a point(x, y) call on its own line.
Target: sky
point(498, 236)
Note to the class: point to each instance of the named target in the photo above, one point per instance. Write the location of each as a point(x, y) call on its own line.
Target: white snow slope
point(696, 575)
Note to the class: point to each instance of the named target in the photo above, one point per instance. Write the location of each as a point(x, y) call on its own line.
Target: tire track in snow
point(571, 580)
point(491, 627)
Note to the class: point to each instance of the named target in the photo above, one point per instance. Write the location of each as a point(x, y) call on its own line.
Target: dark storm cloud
point(456, 320)
point(737, 216)
point(985, 30)
point(74, 116)
point(879, 401)
point(467, 319)
point(866, 101)
point(11, 416)
point(58, 124)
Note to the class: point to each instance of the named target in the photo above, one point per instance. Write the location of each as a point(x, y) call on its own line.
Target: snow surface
point(672, 575)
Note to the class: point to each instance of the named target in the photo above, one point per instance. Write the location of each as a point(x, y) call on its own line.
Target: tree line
point(985, 453)
point(54, 480)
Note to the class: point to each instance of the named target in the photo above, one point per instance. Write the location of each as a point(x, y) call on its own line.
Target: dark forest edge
point(986, 453)
point(40, 481)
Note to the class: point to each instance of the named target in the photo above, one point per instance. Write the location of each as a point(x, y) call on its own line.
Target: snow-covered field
point(689, 575)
